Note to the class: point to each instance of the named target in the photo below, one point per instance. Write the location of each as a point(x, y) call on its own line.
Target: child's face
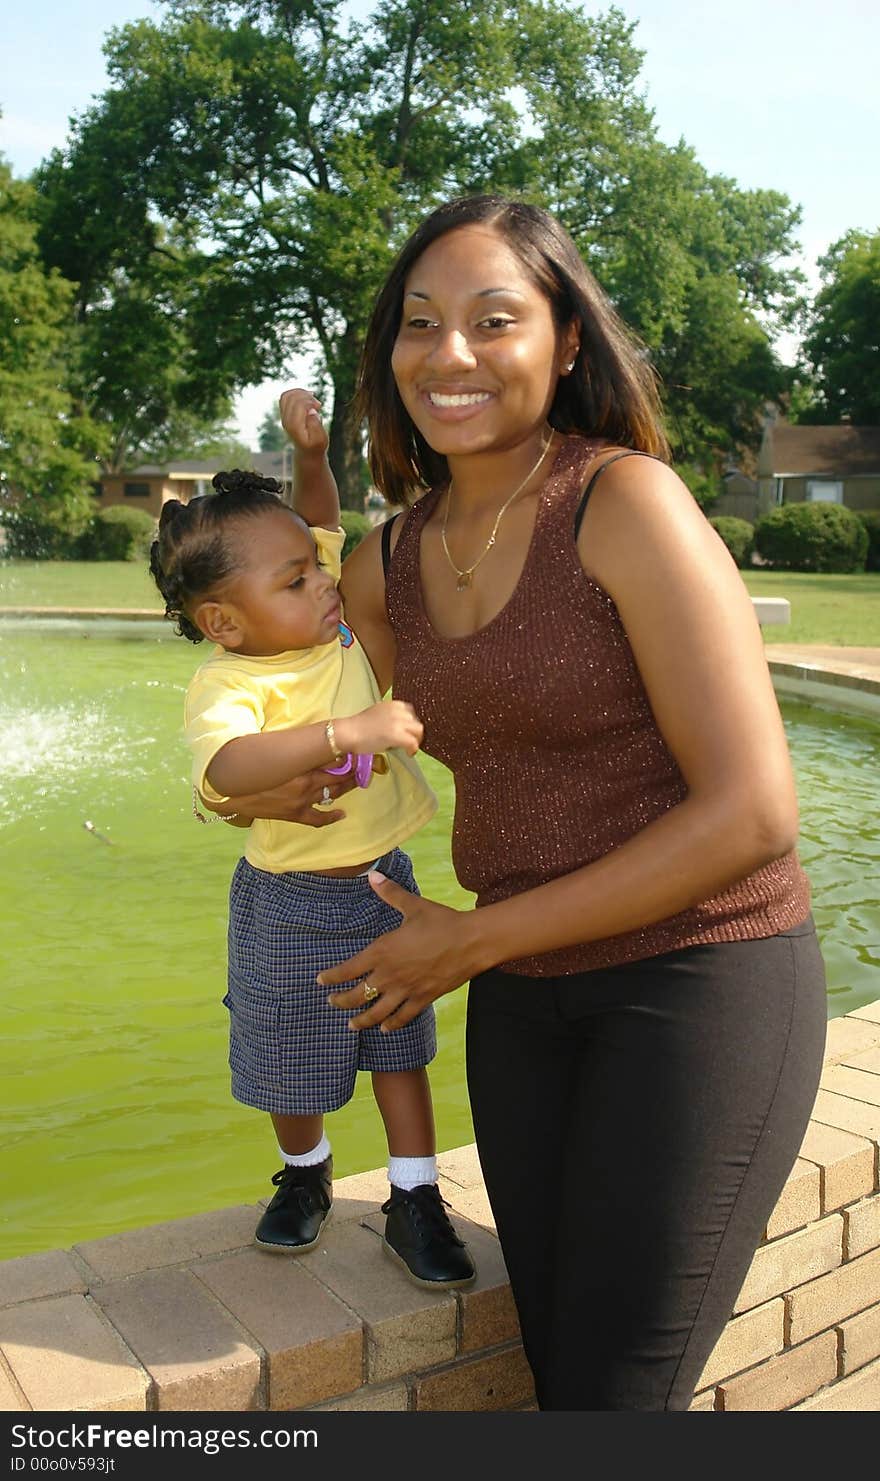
point(281, 599)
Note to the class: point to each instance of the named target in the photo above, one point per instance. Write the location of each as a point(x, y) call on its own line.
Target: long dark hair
point(192, 553)
point(611, 392)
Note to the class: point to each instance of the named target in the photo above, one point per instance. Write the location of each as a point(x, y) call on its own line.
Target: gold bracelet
point(331, 741)
point(215, 818)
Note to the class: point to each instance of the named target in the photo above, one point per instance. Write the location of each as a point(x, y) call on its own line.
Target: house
point(835, 464)
point(738, 497)
point(149, 486)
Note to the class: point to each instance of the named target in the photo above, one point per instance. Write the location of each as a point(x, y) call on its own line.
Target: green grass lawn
point(77, 584)
point(824, 609)
point(839, 610)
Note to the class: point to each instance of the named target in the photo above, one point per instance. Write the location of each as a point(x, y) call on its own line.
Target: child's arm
point(315, 495)
point(256, 763)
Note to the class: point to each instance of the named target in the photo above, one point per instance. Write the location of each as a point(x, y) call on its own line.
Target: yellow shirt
point(232, 694)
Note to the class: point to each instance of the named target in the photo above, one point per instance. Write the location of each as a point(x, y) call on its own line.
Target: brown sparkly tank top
point(576, 763)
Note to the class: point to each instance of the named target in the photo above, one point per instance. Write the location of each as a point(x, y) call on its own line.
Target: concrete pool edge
point(830, 682)
point(838, 685)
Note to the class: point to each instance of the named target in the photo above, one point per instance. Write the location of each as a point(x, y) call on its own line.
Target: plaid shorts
point(289, 1051)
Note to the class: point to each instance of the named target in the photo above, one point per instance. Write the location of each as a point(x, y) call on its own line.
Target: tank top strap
point(629, 452)
point(386, 543)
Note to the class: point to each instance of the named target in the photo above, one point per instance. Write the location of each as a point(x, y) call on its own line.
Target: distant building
point(830, 464)
point(739, 496)
point(150, 485)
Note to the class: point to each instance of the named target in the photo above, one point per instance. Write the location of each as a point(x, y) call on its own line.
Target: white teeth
point(473, 399)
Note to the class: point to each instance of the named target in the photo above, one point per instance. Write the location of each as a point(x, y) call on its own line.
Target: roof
point(269, 464)
point(835, 451)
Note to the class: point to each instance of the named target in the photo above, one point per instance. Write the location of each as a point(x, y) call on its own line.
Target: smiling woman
point(584, 658)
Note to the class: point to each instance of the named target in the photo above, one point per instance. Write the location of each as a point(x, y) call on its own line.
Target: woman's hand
point(432, 953)
point(301, 800)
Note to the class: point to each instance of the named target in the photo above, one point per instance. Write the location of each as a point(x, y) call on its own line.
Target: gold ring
point(370, 992)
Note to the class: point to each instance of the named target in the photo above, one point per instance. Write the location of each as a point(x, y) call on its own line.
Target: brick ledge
point(189, 1315)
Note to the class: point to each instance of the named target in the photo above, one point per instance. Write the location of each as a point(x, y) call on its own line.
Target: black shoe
point(294, 1219)
point(420, 1237)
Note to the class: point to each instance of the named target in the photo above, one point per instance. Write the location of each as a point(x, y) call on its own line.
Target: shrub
point(737, 534)
point(117, 534)
point(355, 526)
point(30, 539)
point(705, 487)
point(812, 537)
point(871, 520)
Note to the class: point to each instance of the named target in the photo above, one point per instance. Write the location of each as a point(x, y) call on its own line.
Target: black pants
point(635, 1128)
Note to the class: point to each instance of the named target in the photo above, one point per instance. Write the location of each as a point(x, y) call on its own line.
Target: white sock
point(307, 1159)
point(411, 1172)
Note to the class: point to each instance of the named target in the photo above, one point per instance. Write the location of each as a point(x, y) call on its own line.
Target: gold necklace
point(465, 577)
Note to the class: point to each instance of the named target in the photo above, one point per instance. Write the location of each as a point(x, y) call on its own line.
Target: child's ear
point(219, 622)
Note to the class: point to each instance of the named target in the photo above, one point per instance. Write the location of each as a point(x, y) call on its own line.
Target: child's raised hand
point(301, 420)
point(392, 722)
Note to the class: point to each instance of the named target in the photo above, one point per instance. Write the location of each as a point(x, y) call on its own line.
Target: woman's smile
point(477, 355)
point(447, 399)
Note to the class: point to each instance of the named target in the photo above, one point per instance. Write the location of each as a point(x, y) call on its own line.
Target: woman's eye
point(496, 322)
point(294, 585)
point(420, 323)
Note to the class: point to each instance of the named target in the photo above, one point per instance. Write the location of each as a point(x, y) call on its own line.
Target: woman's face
point(477, 356)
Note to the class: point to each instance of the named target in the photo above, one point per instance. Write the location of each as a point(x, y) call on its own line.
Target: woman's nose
point(452, 348)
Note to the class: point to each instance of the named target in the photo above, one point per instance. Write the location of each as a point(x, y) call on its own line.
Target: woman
point(646, 1010)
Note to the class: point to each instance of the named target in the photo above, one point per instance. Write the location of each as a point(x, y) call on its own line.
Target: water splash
point(54, 746)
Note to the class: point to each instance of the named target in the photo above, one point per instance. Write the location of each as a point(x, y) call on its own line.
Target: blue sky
point(778, 94)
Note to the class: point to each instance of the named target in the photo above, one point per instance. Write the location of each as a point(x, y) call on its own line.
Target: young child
point(288, 689)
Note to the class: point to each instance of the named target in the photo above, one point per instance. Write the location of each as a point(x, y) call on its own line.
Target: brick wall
point(191, 1316)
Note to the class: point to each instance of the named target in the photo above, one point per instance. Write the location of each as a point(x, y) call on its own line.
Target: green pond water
point(116, 1104)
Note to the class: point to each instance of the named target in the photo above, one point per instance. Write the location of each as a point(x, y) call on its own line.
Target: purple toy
point(361, 765)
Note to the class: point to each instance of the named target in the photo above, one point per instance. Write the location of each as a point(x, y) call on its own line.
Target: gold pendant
point(464, 581)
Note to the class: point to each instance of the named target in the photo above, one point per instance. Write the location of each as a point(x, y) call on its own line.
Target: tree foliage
point(237, 194)
point(141, 361)
point(45, 441)
point(271, 435)
point(738, 535)
point(192, 437)
point(842, 345)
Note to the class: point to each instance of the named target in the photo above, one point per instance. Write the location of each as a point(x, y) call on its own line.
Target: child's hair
point(192, 553)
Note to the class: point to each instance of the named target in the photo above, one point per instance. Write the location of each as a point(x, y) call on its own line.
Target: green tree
point(275, 155)
point(695, 265)
point(193, 437)
point(842, 345)
point(140, 365)
point(271, 435)
point(47, 447)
